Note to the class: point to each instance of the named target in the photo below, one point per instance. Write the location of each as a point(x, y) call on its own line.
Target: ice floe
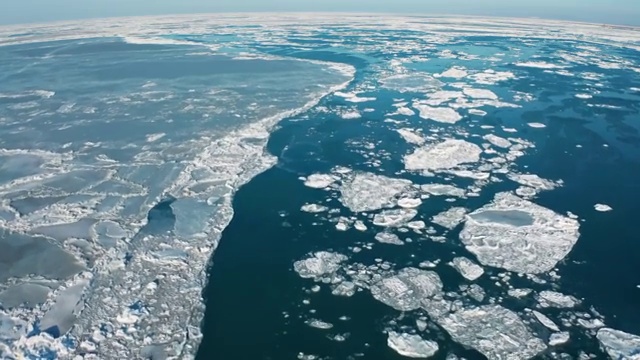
point(442, 190)
point(388, 238)
point(494, 331)
point(406, 290)
point(544, 320)
point(533, 181)
point(477, 112)
point(492, 77)
point(319, 181)
point(619, 345)
point(539, 65)
point(412, 346)
point(559, 338)
point(409, 203)
point(447, 154)
point(445, 115)
point(602, 207)
point(394, 217)
point(322, 263)
point(518, 235)
point(555, 299)
point(497, 141)
point(536, 125)
point(467, 268)
point(450, 218)
point(411, 136)
point(313, 208)
point(353, 97)
point(368, 192)
point(319, 324)
point(455, 72)
point(480, 93)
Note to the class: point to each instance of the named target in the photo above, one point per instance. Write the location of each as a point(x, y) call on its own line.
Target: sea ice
point(320, 264)
point(353, 97)
point(450, 218)
point(319, 181)
point(443, 155)
point(350, 115)
point(536, 125)
point(411, 136)
point(360, 226)
point(313, 208)
point(480, 93)
point(539, 65)
point(445, 115)
point(494, 331)
point(584, 96)
point(544, 320)
point(518, 235)
point(619, 345)
point(388, 238)
point(533, 181)
point(602, 207)
point(368, 192)
point(554, 299)
point(319, 324)
point(412, 346)
point(409, 203)
point(442, 190)
point(455, 72)
point(406, 290)
point(497, 141)
point(491, 77)
point(477, 112)
point(559, 338)
point(467, 268)
point(394, 217)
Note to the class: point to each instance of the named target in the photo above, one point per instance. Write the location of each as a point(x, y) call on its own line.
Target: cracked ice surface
point(555, 299)
point(467, 268)
point(411, 345)
point(320, 264)
point(368, 192)
point(619, 345)
point(494, 331)
point(518, 235)
point(447, 154)
point(406, 290)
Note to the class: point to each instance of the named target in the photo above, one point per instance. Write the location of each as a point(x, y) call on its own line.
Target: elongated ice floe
point(394, 217)
point(313, 208)
point(559, 338)
point(480, 93)
point(445, 115)
point(544, 320)
point(536, 125)
point(533, 181)
point(539, 65)
point(411, 136)
point(518, 235)
point(455, 72)
point(319, 181)
point(619, 344)
point(467, 268)
point(444, 155)
point(602, 207)
point(555, 299)
point(368, 192)
point(442, 190)
point(388, 238)
point(412, 346)
point(494, 331)
point(497, 141)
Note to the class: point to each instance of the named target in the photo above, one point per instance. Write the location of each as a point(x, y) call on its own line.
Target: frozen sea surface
point(380, 187)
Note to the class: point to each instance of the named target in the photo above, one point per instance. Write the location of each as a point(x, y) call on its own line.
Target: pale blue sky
point(604, 11)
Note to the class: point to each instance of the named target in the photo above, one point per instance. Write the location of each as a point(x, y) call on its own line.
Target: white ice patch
point(155, 137)
point(406, 290)
point(445, 115)
point(319, 324)
point(411, 136)
point(544, 320)
point(584, 96)
point(455, 72)
point(319, 181)
point(368, 192)
point(539, 65)
point(388, 238)
point(412, 346)
point(353, 97)
point(497, 141)
point(442, 190)
point(409, 203)
point(494, 331)
point(467, 268)
point(518, 235)
point(619, 345)
point(313, 208)
point(403, 110)
point(554, 299)
point(350, 114)
point(450, 218)
point(480, 93)
point(394, 217)
point(477, 112)
point(491, 77)
point(533, 181)
point(444, 155)
point(536, 125)
point(321, 264)
point(602, 207)
point(559, 338)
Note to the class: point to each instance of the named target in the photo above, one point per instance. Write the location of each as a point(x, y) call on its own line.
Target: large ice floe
point(367, 192)
point(447, 154)
point(619, 345)
point(518, 235)
point(412, 346)
point(494, 331)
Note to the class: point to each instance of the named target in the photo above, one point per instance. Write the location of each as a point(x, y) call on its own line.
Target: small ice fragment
point(519, 293)
point(442, 189)
point(409, 203)
point(411, 136)
point(368, 192)
point(351, 115)
point(450, 218)
point(558, 338)
point(412, 346)
point(544, 320)
point(319, 324)
point(394, 217)
point(319, 181)
point(416, 225)
point(497, 141)
point(313, 208)
point(155, 137)
point(406, 290)
point(477, 112)
point(480, 93)
point(345, 288)
point(445, 115)
point(467, 268)
point(388, 238)
point(536, 125)
point(555, 299)
point(342, 226)
point(360, 226)
point(320, 264)
point(602, 207)
point(539, 65)
point(618, 344)
point(584, 96)
point(455, 72)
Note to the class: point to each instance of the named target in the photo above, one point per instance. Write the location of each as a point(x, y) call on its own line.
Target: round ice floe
point(467, 268)
point(518, 235)
point(557, 300)
point(319, 181)
point(388, 238)
point(322, 263)
point(444, 155)
point(411, 345)
point(602, 207)
point(619, 345)
point(406, 290)
point(494, 331)
point(367, 192)
point(394, 217)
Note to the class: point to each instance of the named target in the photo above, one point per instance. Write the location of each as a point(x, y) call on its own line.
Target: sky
point(622, 12)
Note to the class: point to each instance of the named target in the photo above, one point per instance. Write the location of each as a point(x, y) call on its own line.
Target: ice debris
point(467, 268)
point(445, 115)
point(555, 299)
point(319, 181)
point(544, 320)
point(559, 338)
point(367, 192)
point(313, 208)
point(450, 218)
point(619, 345)
point(533, 181)
point(406, 290)
point(322, 263)
point(518, 235)
point(388, 238)
point(442, 189)
point(480, 93)
point(411, 136)
point(455, 72)
point(536, 125)
point(494, 331)
point(394, 217)
point(412, 346)
point(443, 155)
point(602, 207)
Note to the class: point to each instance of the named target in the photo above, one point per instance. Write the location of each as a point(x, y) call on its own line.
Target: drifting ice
point(411, 345)
point(444, 155)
